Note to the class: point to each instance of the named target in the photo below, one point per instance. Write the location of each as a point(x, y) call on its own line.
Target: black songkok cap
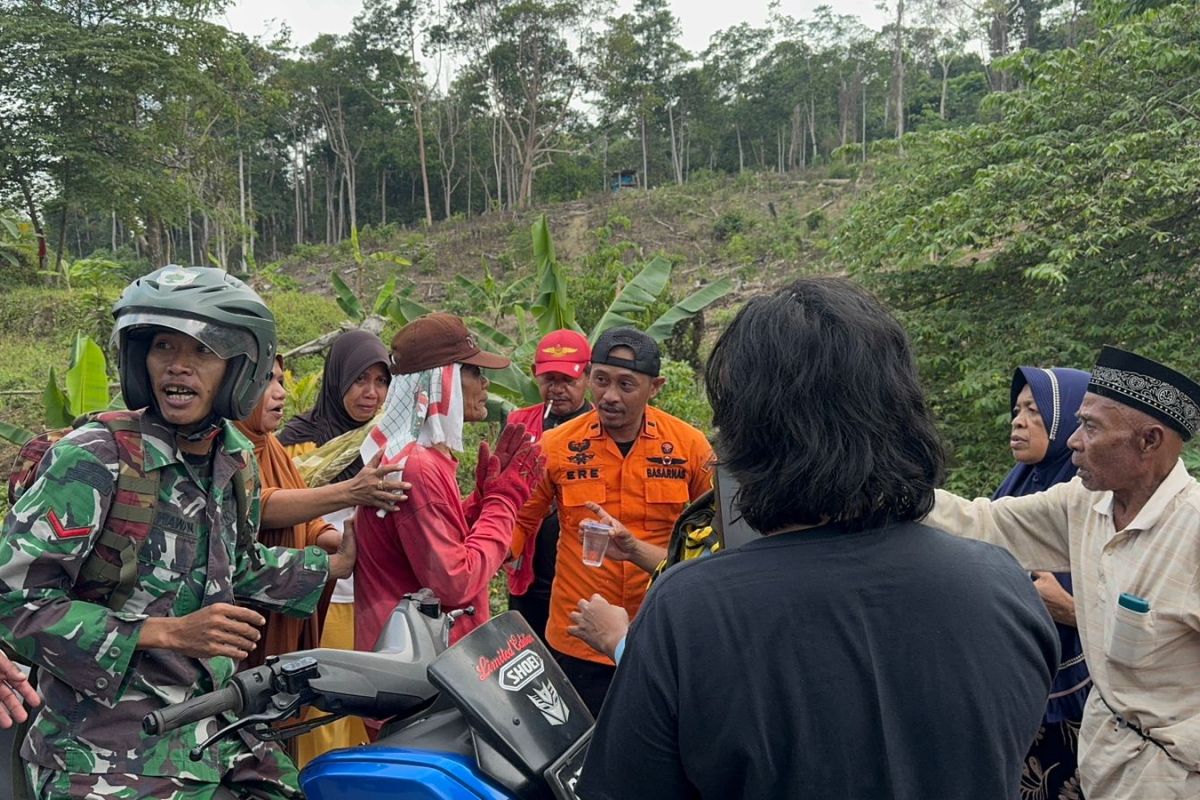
point(645, 351)
point(1146, 385)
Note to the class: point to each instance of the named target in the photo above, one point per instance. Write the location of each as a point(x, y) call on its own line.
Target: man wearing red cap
point(640, 464)
point(560, 367)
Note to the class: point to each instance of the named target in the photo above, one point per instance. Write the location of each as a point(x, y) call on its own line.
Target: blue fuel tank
point(395, 773)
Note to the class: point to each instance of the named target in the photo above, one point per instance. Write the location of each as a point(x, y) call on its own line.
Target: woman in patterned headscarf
point(1044, 404)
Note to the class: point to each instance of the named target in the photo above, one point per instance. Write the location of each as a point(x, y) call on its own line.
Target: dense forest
point(144, 128)
point(1018, 179)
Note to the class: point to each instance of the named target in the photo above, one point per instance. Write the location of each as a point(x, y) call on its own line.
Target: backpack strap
point(247, 532)
point(110, 572)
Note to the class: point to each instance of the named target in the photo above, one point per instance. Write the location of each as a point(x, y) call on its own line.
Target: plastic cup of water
point(596, 536)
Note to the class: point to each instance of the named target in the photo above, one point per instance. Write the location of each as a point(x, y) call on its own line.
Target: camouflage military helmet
point(211, 306)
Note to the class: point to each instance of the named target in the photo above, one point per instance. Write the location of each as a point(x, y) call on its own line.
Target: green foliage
point(683, 395)
point(1065, 223)
point(302, 392)
point(57, 405)
point(493, 298)
point(728, 224)
point(87, 378)
point(551, 308)
point(18, 244)
point(1191, 459)
point(346, 299)
point(92, 273)
point(53, 316)
point(86, 390)
point(635, 297)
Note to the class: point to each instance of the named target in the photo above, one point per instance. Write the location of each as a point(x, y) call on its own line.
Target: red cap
point(564, 351)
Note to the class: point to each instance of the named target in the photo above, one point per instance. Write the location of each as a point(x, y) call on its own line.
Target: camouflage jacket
point(95, 684)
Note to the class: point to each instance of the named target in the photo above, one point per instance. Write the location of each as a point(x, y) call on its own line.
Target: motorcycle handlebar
point(198, 708)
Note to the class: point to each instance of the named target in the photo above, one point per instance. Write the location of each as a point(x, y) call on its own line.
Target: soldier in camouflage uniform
point(197, 348)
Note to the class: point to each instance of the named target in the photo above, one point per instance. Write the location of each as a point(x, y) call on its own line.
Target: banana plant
point(86, 391)
point(553, 309)
point(17, 242)
point(495, 298)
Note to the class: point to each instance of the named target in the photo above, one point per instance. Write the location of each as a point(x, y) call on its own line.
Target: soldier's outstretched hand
point(221, 629)
point(15, 692)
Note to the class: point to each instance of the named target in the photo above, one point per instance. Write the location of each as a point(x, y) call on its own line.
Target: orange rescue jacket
point(667, 467)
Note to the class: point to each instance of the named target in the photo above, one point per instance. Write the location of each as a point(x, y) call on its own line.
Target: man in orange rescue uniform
point(642, 465)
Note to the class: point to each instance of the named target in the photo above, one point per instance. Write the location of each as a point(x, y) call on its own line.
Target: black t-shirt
point(895, 663)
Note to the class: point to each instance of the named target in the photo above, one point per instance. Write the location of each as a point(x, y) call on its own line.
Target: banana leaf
point(636, 297)
point(12, 433)
point(403, 310)
point(87, 378)
point(689, 306)
point(512, 383)
point(346, 299)
point(58, 413)
point(552, 308)
point(384, 298)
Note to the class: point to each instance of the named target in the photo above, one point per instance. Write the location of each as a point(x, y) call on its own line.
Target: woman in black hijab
point(353, 389)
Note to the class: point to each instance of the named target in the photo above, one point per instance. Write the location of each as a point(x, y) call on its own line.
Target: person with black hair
point(850, 651)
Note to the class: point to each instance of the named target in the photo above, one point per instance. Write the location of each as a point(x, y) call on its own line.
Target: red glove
point(516, 482)
point(491, 464)
point(510, 441)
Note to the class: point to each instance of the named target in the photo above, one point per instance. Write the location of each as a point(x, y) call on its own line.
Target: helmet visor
point(223, 340)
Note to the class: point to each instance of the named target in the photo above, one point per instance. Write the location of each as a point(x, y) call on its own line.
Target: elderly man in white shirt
point(1128, 529)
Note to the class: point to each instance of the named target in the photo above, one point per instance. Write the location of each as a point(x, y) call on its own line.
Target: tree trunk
point(812, 126)
point(898, 68)
point(645, 156)
point(741, 153)
point(675, 162)
point(864, 122)
point(242, 205)
point(604, 162)
point(498, 159)
point(298, 203)
point(36, 221)
point(191, 238)
point(62, 243)
point(421, 154)
point(383, 197)
point(945, 63)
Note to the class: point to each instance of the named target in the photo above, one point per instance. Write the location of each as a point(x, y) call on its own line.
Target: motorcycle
point(491, 718)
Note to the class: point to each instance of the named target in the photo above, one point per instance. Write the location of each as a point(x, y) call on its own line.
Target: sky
point(699, 19)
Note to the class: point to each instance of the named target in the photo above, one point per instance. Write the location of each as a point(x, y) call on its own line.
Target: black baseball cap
point(645, 359)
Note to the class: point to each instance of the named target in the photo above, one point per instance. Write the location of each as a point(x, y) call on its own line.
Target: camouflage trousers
point(247, 778)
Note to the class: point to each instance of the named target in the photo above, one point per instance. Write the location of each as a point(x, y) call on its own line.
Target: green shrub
point(727, 225)
point(683, 395)
point(302, 316)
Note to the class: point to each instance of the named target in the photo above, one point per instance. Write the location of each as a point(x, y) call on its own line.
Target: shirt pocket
point(576, 493)
point(1133, 637)
point(164, 560)
point(665, 499)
